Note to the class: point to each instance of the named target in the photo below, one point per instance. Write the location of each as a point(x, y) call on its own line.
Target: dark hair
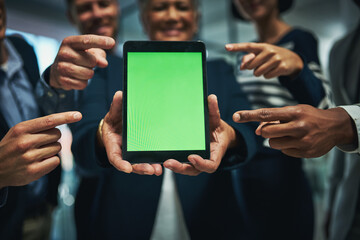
point(283, 6)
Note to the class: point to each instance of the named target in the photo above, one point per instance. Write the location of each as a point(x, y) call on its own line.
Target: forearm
point(85, 148)
point(308, 87)
point(242, 147)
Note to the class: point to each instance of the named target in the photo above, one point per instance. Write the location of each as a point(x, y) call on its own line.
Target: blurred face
point(170, 20)
point(257, 10)
point(95, 16)
point(2, 20)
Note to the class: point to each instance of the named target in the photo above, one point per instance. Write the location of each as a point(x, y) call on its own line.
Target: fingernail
point(109, 41)
point(77, 115)
point(192, 160)
point(237, 117)
point(228, 46)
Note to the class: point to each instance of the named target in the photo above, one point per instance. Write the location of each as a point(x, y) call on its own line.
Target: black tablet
point(165, 111)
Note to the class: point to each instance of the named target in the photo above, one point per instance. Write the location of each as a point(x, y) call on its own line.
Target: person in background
point(28, 146)
point(280, 68)
point(304, 131)
point(167, 20)
point(118, 198)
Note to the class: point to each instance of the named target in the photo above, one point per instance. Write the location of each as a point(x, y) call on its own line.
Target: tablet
point(165, 111)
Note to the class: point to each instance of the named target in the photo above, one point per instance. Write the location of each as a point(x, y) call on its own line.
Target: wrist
point(344, 128)
point(298, 67)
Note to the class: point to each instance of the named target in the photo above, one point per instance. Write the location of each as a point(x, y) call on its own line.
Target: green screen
point(165, 101)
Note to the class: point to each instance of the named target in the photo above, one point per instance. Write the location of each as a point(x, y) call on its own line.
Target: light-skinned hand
point(29, 149)
point(222, 136)
point(76, 59)
point(112, 141)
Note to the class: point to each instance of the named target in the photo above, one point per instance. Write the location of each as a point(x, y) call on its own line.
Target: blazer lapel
point(338, 72)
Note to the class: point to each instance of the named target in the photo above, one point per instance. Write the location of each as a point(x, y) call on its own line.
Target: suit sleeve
point(231, 98)
point(93, 104)
point(3, 196)
point(53, 100)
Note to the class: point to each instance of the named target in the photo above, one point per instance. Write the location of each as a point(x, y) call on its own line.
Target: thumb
point(100, 56)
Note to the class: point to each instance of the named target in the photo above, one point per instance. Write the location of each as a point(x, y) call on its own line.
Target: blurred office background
point(44, 24)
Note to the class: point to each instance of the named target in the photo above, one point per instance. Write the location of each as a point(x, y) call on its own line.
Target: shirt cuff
point(53, 100)
point(3, 196)
point(354, 113)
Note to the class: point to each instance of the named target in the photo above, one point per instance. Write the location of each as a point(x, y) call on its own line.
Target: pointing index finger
point(51, 121)
point(264, 115)
point(244, 47)
point(84, 42)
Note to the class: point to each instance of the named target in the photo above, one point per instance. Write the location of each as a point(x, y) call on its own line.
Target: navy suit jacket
point(124, 206)
point(13, 212)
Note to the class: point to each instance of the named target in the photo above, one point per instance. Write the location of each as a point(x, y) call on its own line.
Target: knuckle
point(264, 114)
point(28, 156)
point(18, 129)
point(58, 147)
point(63, 68)
point(23, 145)
point(57, 133)
point(32, 171)
point(92, 61)
point(87, 40)
point(88, 74)
point(49, 121)
point(64, 54)
point(67, 40)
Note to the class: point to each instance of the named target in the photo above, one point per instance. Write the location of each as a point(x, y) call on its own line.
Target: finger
point(44, 123)
point(283, 143)
point(293, 152)
point(203, 165)
point(114, 153)
point(83, 42)
point(79, 69)
point(214, 112)
point(264, 115)
point(181, 168)
point(278, 130)
point(158, 169)
point(265, 68)
point(275, 72)
point(143, 169)
point(259, 60)
point(43, 138)
point(39, 169)
point(244, 47)
point(44, 152)
point(100, 56)
point(115, 112)
point(246, 60)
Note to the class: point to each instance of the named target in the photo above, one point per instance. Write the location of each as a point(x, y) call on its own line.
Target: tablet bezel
point(164, 46)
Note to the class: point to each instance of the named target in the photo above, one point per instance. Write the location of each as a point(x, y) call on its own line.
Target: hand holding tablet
point(165, 115)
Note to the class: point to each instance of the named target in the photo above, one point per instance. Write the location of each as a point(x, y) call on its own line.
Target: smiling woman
point(173, 20)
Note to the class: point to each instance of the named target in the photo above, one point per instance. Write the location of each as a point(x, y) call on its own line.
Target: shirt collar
point(14, 62)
